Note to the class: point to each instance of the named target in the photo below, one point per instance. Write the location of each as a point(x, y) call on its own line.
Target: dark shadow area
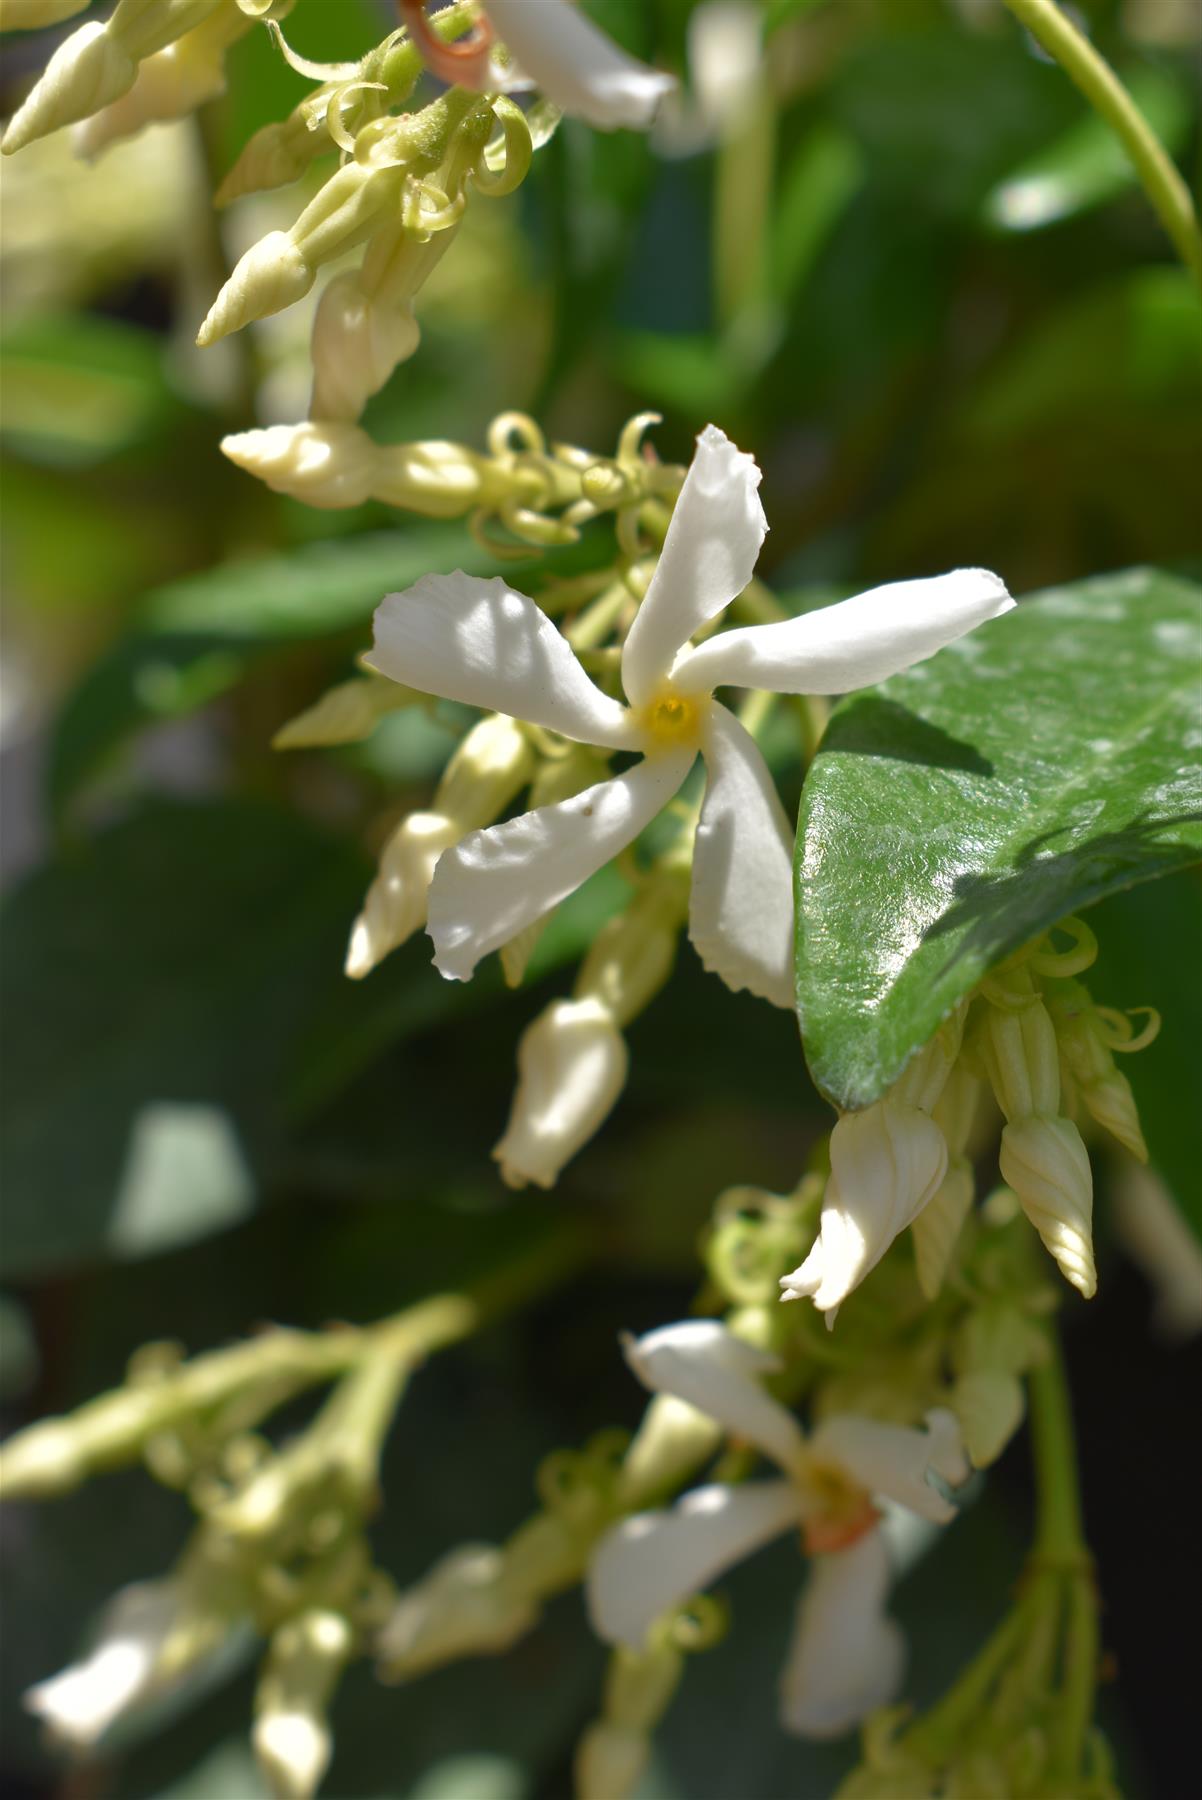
point(874, 727)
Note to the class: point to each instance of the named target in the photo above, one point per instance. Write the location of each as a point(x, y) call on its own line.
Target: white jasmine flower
point(847, 1655)
point(555, 48)
point(481, 643)
point(81, 1703)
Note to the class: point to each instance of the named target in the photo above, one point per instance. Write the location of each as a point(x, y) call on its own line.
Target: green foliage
point(965, 806)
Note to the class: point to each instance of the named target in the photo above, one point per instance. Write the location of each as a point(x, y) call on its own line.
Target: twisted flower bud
point(292, 1740)
point(1047, 1165)
point(336, 465)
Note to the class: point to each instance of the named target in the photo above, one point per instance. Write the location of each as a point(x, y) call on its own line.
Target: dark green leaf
point(967, 805)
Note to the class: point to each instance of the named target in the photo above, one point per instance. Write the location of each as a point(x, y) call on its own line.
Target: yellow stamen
point(671, 719)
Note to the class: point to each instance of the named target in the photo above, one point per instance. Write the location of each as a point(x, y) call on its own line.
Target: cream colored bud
point(357, 343)
point(272, 275)
point(937, 1228)
point(925, 1077)
point(572, 1066)
point(1023, 1060)
point(323, 465)
point(609, 1761)
point(441, 480)
point(672, 1442)
point(1112, 1105)
point(90, 70)
point(466, 1605)
point(292, 1741)
point(32, 15)
point(1047, 1165)
point(395, 904)
point(956, 1110)
point(170, 84)
point(545, 1555)
point(277, 154)
point(631, 958)
point(45, 1460)
point(990, 1406)
point(640, 1684)
point(492, 764)
point(346, 713)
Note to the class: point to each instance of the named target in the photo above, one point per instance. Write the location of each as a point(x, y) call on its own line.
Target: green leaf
point(965, 806)
point(78, 389)
point(199, 636)
point(155, 985)
point(1086, 165)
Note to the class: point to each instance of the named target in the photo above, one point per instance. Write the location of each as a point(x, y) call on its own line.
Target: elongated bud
point(1112, 1105)
point(887, 1162)
point(467, 1605)
point(632, 955)
point(491, 765)
point(990, 1406)
point(937, 1228)
point(170, 84)
point(272, 275)
point(673, 1441)
point(1020, 1052)
point(345, 714)
point(1047, 1165)
point(572, 1065)
point(90, 70)
point(278, 153)
point(1089, 1061)
point(334, 465)
point(955, 1111)
point(926, 1076)
point(357, 343)
point(291, 1738)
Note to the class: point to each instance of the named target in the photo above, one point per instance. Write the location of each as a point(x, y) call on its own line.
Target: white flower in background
point(481, 643)
point(80, 1704)
point(847, 1655)
point(557, 49)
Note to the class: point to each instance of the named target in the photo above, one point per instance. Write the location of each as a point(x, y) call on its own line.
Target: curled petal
point(709, 556)
point(886, 1163)
point(852, 645)
point(573, 62)
point(481, 643)
point(497, 882)
point(655, 1561)
point(704, 1363)
point(741, 905)
point(894, 1460)
point(848, 1656)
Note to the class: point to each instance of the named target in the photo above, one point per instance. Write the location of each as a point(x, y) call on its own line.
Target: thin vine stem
point(1161, 179)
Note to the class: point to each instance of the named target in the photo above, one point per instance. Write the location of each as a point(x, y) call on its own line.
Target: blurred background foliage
point(913, 275)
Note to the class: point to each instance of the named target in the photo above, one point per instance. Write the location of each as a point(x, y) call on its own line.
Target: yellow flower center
point(671, 719)
point(839, 1510)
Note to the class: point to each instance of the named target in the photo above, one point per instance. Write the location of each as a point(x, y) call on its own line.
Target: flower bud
point(937, 1227)
point(926, 1075)
point(170, 84)
point(1088, 1060)
point(346, 713)
point(323, 465)
point(466, 1605)
point(91, 69)
point(272, 275)
point(1019, 1047)
point(572, 1064)
point(1112, 1106)
point(609, 1761)
point(887, 1162)
point(990, 1406)
point(632, 956)
point(357, 343)
point(292, 1741)
point(277, 154)
point(672, 1442)
point(1045, 1162)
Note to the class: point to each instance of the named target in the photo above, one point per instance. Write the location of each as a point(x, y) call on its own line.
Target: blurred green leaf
point(1086, 165)
point(963, 807)
point(198, 637)
point(79, 388)
point(155, 983)
point(823, 173)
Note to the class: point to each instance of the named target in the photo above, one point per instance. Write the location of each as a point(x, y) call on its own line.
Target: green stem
point(935, 1737)
point(1161, 179)
point(1058, 1537)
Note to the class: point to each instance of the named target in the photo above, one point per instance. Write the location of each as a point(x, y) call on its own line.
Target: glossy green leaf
point(1087, 164)
point(958, 810)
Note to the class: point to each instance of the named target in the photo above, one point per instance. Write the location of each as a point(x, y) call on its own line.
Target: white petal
point(848, 1657)
point(655, 1561)
point(886, 1163)
point(481, 643)
point(702, 1362)
point(498, 881)
point(741, 905)
point(83, 1701)
point(894, 1460)
point(576, 65)
point(708, 558)
point(851, 645)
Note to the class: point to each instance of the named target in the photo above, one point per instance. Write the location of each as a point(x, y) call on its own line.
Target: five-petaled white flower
point(847, 1656)
point(481, 643)
point(557, 49)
